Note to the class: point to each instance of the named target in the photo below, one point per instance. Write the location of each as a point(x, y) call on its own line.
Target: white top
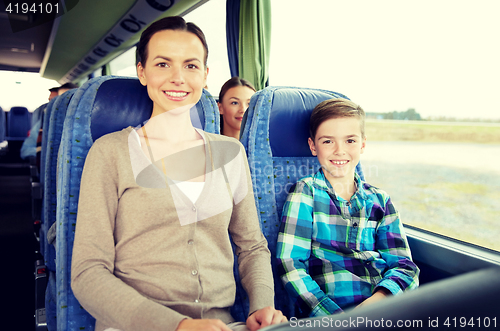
point(191, 189)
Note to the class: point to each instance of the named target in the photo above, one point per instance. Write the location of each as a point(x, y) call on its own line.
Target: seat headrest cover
point(289, 120)
point(119, 103)
point(19, 110)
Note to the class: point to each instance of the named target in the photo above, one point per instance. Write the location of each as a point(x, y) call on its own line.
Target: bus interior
point(92, 44)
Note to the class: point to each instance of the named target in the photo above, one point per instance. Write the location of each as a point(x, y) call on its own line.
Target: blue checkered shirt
point(333, 254)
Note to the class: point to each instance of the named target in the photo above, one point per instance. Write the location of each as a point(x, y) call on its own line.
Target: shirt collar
point(320, 182)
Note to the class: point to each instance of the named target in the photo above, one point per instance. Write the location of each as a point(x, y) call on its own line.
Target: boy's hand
point(202, 325)
point(265, 317)
point(377, 296)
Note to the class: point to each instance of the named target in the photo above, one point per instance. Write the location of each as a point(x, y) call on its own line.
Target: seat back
point(2, 125)
point(100, 106)
point(274, 133)
point(37, 114)
point(45, 118)
point(18, 123)
point(51, 137)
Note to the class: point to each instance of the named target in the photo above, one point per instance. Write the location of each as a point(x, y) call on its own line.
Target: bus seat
point(29, 152)
point(29, 144)
point(2, 128)
point(102, 105)
point(18, 123)
point(39, 188)
point(45, 124)
point(37, 114)
point(51, 139)
point(274, 133)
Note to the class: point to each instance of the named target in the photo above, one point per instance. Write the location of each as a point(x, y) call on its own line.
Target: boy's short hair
point(335, 108)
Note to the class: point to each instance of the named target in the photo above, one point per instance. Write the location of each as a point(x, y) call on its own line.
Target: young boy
point(341, 242)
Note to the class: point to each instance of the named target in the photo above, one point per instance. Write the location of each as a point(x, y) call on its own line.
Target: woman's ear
point(140, 74)
point(312, 147)
point(221, 109)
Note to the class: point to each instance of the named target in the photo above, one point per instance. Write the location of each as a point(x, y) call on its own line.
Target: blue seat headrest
point(19, 110)
point(289, 120)
point(119, 103)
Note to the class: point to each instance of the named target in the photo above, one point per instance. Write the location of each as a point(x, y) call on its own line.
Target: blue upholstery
point(274, 134)
point(51, 139)
point(101, 105)
point(2, 125)
point(37, 114)
point(18, 123)
point(45, 124)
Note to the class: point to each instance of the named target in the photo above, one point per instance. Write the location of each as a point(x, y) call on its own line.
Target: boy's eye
point(192, 66)
point(327, 141)
point(234, 103)
point(351, 141)
point(162, 65)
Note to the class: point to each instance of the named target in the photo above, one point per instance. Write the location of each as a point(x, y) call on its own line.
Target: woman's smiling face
point(234, 105)
point(174, 72)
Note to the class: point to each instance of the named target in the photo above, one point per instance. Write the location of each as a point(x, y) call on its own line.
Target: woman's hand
point(264, 317)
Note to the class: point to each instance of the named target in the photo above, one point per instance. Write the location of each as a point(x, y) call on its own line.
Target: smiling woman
point(186, 282)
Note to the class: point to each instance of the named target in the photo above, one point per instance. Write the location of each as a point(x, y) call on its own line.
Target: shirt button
point(194, 272)
point(194, 208)
point(191, 242)
point(196, 300)
point(355, 224)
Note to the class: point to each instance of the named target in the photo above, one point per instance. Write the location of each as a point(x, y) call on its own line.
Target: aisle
point(17, 244)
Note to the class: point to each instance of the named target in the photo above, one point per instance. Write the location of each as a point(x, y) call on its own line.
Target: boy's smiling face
point(338, 145)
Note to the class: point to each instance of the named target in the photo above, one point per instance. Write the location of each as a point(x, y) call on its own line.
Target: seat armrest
point(36, 190)
point(34, 171)
point(40, 286)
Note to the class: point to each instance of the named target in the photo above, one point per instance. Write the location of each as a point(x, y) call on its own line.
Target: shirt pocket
point(368, 235)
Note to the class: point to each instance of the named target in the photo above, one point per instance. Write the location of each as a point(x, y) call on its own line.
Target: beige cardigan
point(145, 257)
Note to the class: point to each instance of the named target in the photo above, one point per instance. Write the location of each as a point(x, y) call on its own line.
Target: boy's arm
point(294, 250)
point(402, 273)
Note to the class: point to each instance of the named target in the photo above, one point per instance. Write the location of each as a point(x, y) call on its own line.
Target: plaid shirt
point(333, 254)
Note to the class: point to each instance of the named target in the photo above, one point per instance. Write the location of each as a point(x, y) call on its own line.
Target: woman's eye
point(162, 65)
point(192, 66)
point(235, 103)
point(351, 141)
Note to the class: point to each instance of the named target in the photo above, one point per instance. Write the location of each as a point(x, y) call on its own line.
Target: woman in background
point(234, 98)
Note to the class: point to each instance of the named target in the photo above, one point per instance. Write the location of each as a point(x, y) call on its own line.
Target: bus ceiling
point(79, 36)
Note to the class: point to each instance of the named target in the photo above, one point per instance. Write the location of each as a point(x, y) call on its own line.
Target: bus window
point(124, 65)
point(15, 86)
point(426, 73)
point(214, 27)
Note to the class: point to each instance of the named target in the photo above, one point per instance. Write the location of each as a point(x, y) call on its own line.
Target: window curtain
point(233, 35)
point(249, 53)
